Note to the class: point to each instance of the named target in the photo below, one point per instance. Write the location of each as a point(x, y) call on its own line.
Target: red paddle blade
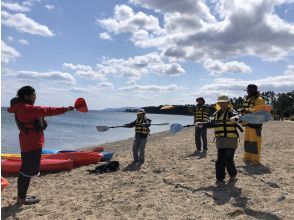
point(80, 105)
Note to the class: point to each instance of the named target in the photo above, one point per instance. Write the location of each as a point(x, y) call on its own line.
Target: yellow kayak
point(10, 156)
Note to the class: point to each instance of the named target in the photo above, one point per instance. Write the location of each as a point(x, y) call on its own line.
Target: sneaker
point(233, 179)
point(28, 200)
point(219, 182)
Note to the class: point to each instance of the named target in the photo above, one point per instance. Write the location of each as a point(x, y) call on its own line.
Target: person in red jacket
point(31, 124)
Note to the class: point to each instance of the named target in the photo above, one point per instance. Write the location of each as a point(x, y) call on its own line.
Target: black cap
point(200, 98)
point(251, 87)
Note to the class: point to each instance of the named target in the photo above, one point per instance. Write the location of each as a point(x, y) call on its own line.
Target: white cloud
point(51, 76)
point(9, 54)
point(234, 87)
point(79, 89)
point(22, 23)
point(105, 36)
point(23, 42)
point(15, 7)
point(216, 67)
point(194, 30)
point(151, 88)
point(125, 20)
point(105, 85)
point(49, 7)
point(135, 67)
point(85, 71)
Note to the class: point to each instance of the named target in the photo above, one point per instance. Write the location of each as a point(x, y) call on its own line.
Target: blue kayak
point(107, 155)
point(48, 151)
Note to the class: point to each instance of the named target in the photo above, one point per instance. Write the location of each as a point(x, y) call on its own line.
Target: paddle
point(101, 128)
point(80, 105)
point(258, 117)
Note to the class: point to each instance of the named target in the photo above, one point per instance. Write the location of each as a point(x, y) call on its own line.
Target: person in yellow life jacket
point(226, 134)
point(252, 140)
point(200, 115)
point(141, 125)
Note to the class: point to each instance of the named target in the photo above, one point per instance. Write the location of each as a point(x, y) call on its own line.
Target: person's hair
point(26, 90)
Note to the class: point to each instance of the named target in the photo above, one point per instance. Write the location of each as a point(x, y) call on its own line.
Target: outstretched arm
point(41, 111)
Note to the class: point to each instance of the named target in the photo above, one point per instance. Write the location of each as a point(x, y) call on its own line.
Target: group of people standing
point(226, 132)
point(31, 124)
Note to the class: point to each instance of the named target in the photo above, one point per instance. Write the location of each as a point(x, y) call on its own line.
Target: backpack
point(110, 166)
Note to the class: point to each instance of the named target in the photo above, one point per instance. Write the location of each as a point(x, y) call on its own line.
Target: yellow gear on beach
point(139, 129)
point(225, 128)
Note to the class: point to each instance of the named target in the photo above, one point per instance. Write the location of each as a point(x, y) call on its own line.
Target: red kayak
point(4, 183)
point(13, 166)
point(78, 158)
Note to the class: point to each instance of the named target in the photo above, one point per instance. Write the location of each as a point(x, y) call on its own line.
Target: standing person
point(252, 140)
point(200, 115)
point(31, 124)
point(226, 134)
point(141, 125)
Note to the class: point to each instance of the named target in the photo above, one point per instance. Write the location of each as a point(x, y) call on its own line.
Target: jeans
point(201, 136)
point(139, 149)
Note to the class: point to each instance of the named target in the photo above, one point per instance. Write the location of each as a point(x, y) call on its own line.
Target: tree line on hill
point(282, 106)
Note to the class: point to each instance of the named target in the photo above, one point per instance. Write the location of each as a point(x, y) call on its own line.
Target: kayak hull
point(78, 158)
point(13, 166)
point(106, 155)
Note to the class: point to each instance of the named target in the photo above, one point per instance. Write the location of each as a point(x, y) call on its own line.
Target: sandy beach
point(172, 184)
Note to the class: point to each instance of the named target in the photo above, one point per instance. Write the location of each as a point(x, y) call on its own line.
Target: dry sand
point(170, 185)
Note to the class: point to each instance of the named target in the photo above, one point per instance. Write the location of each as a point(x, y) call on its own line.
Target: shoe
point(219, 182)
point(233, 179)
point(197, 152)
point(28, 200)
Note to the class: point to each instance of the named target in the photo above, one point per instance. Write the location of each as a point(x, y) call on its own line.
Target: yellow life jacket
point(201, 114)
point(139, 129)
point(225, 128)
point(249, 102)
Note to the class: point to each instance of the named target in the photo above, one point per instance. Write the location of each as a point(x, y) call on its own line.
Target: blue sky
point(145, 52)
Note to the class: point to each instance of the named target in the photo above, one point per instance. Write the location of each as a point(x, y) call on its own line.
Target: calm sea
point(75, 130)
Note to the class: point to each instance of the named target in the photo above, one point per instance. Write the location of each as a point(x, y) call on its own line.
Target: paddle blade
point(80, 105)
point(167, 107)
point(259, 117)
point(102, 128)
point(174, 128)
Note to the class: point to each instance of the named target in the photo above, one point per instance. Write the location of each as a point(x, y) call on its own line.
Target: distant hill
point(122, 109)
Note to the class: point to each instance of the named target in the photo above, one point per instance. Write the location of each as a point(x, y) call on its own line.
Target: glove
point(70, 108)
point(199, 124)
point(234, 119)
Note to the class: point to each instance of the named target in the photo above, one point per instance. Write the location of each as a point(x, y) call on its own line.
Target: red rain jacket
point(27, 113)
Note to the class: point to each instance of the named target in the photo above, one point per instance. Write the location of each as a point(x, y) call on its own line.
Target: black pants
point(30, 167)
point(201, 137)
point(225, 159)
